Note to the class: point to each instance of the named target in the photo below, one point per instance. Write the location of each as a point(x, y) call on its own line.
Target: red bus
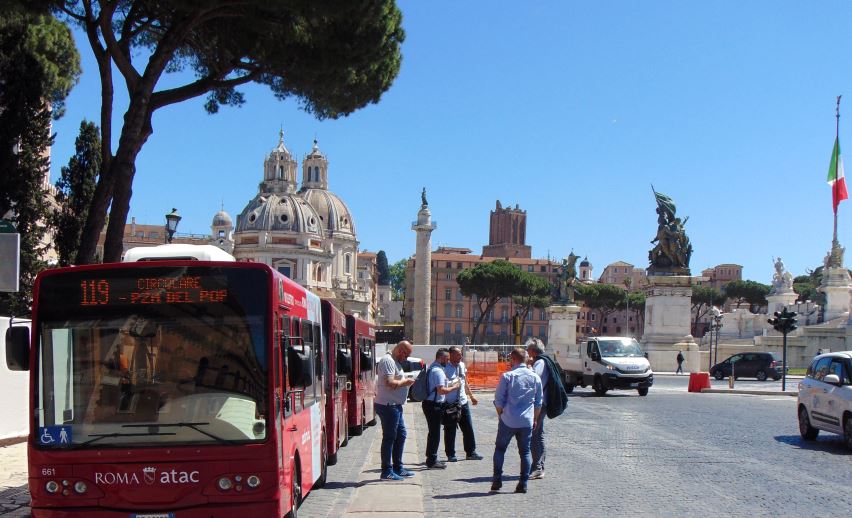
point(361, 336)
point(172, 388)
point(338, 368)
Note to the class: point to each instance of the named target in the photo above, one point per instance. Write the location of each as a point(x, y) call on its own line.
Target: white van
point(605, 363)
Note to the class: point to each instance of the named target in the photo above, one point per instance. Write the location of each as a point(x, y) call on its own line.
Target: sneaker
point(404, 473)
point(436, 465)
point(537, 474)
point(392, 476)
point(474, 456)
point(496, 485)
point(452, 458)
point(521, 488)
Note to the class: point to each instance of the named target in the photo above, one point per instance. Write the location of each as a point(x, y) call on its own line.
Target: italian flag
point(836, 179)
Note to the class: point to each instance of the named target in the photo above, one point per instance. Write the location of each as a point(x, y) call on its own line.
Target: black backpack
point(420, 390)
point(557, 398)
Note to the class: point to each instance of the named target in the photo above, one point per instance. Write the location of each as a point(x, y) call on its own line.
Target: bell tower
point(315, 170)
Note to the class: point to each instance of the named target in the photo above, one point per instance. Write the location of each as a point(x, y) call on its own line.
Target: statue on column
point(672, 250)
point(423, 198)
point(782, 280)
point(564, 292)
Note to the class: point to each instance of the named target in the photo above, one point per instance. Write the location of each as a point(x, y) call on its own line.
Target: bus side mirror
point(18, 348)
point(299, 367)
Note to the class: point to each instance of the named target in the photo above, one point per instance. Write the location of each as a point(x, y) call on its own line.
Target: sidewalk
point(14, 497)
point(379, 498)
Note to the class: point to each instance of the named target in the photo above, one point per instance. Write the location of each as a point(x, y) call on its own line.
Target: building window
point(381, 297)
point(448, 310)
point(618, 330)
point(544, 269)
point(542, 315)
point(459, 266)
point(530, 314)
point(447, 329)
point(459, 295)
point(530, 268)
point(347, 264)
point(603, 329)
point(504, 313)
point(449, 264)
point(593, 315)
point(542, 331)
point(459, 311)
point(448, 294)
point(449, 276)
point(286, 271)
point(458, 329)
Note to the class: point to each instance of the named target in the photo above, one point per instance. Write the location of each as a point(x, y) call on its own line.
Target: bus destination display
point(187, 289)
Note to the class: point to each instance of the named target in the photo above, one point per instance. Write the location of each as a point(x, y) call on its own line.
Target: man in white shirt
point(391, 394)
point(457, 370)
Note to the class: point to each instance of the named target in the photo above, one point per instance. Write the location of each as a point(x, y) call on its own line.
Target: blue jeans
point(393, 437)
point(537, 445)
point(504, 437)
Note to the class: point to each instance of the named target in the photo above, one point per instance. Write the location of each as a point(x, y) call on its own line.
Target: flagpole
point(836, 166)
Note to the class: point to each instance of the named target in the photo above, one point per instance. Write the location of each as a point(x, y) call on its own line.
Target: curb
point(376, 498)
point(750, 392)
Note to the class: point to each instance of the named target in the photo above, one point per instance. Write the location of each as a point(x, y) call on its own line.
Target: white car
point(825, 397)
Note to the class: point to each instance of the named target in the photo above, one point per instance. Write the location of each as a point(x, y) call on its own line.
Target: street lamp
point(172, 220)
point(717, 325)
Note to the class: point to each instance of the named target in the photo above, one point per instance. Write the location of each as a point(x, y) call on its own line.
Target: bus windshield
point(152, 356)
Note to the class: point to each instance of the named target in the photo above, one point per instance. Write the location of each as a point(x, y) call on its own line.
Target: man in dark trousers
point(433, 406)
point(456, 370)
point(679, 363)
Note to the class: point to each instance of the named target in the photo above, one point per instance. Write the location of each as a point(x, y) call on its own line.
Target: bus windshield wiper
point(98, 436)
point(194, 426)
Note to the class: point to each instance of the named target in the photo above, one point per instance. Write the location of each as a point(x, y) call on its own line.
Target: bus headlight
point(253, 481)
point(80, 487)
point(225, 484)
point(52, 487)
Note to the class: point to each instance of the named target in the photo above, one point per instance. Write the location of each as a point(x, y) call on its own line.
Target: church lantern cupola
point(279, 170)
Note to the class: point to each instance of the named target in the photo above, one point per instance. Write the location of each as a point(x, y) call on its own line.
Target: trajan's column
point(423, 272)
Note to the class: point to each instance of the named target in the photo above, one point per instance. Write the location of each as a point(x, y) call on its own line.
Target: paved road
point(671, 453)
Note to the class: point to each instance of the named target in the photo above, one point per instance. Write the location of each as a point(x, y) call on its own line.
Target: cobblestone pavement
point(14, 497)
point(669, 454)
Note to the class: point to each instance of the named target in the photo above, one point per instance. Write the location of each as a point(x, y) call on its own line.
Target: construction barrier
point(485, 364)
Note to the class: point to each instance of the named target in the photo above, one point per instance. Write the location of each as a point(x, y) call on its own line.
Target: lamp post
point(172, 220)
point(717, 325)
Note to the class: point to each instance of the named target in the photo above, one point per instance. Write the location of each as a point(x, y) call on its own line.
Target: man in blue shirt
point(535, 349)
point(433, 405)
point(518, 402)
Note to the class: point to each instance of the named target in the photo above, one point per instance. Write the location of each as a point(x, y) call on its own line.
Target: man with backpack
point(433, 405)
point(554, 400)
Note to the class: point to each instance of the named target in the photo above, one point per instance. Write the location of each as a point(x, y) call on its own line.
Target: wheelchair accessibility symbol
point(55, 435)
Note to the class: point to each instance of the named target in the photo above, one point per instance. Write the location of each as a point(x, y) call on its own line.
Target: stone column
point(836, 285)
point(668, 315)
point(423, 276)
point(778, 301)
point(562, 325)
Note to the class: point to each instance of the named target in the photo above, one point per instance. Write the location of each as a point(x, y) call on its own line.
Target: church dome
point(334, 215)
point(222, 219)
point(279, 212)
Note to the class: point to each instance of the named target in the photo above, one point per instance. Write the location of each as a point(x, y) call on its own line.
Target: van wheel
point(808, 432)
point(569, 388)
point(599, 387)
point(847, 431)
point(719, 375)
point(761, 375)
point(643, 391)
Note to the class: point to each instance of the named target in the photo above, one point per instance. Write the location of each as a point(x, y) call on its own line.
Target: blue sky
point(570, 110)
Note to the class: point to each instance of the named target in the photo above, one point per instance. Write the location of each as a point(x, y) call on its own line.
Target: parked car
point(825, 397)
point(749, 365)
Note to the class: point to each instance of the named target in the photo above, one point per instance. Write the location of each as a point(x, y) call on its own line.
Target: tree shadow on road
point(829, 444)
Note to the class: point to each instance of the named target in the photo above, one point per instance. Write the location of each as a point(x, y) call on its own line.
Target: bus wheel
point(295, 493)
point(346, 438)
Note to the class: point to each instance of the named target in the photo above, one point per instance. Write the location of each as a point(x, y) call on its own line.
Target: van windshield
point(626, 347)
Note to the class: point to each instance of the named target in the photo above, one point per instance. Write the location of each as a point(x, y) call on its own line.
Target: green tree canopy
point(397, 278)
point(38, 67)
point(74, 192)
point(382, 268)
point(751, 292)
point(489, 282)
point(605, 298)
point(533, 292)
point(703, 299)
point(334, 57)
